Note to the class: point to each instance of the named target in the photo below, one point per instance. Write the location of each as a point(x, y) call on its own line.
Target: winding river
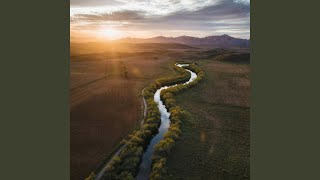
point(145, 166)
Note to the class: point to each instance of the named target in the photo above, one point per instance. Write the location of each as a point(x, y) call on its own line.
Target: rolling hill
point(224, 41)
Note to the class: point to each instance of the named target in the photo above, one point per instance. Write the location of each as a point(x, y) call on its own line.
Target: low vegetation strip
point(125, 165)
point(163, 148)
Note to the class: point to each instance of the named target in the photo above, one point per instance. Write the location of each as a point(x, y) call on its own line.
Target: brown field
point(105, 101)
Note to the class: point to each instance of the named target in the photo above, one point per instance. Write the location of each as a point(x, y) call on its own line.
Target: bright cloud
point(144, 18)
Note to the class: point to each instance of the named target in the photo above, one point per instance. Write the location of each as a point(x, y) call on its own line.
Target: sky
point(114, 19)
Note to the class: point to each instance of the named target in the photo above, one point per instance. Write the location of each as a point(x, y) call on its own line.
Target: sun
point(109, 33)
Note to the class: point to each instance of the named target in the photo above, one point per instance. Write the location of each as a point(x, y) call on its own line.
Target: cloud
point(92, 3)
point(210, 16)
point(126, 15)
point(223, 10)
point(244, 2)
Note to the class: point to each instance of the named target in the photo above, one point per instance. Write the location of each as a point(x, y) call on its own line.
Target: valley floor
point(105, 106)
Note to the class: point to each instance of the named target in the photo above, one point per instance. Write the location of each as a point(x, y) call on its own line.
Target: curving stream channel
point(145, 166)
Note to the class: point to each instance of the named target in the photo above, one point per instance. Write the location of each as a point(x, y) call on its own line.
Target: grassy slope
point(215, 143)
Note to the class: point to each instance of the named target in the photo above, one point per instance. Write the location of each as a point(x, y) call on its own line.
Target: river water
point(145, 166)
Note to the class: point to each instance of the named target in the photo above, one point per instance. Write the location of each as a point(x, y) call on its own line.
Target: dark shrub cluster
point(163, 148)
point(125, 165)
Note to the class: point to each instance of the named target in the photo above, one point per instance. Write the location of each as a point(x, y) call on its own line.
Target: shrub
point(161, 170)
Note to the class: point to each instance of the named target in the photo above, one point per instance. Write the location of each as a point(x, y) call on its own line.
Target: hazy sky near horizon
point(114, 19)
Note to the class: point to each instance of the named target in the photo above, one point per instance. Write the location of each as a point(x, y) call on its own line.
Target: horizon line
point(129, 37)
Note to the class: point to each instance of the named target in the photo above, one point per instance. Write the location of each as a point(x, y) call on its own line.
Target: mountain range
point(218, 41)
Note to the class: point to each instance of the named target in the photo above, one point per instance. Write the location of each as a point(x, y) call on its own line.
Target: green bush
point(159, 170)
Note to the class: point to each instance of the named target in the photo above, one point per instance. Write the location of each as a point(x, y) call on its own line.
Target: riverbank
point(163, 148)
point(126, 164)
point(145, 166)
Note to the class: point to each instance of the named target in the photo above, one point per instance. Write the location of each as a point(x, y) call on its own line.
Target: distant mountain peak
point(218, 40)
point(225, 35)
